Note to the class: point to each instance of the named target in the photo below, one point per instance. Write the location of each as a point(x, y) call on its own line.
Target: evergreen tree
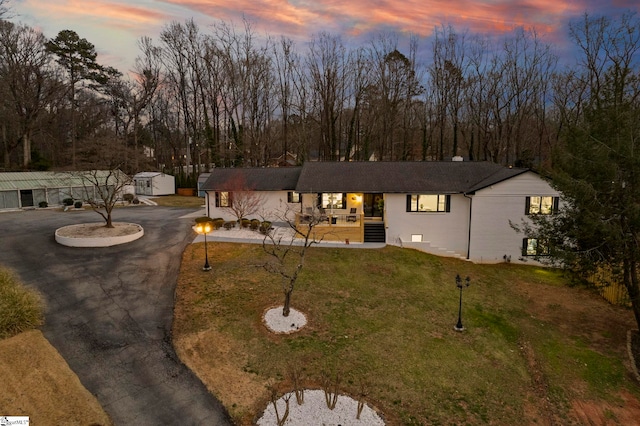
point(77, 57)
point(597, 168)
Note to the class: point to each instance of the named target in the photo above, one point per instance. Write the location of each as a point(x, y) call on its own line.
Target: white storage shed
point(154, 183)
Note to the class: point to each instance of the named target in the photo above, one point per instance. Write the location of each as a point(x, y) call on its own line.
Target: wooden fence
point(612, 291)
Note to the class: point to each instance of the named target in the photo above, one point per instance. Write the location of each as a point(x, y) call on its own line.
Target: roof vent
point(457, 158)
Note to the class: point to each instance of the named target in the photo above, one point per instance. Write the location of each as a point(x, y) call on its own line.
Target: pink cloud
point(113, 25)
point(104, 13)
point(360, 16)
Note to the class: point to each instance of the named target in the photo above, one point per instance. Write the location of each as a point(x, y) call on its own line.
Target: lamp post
point(459, 284)
point(204, 228)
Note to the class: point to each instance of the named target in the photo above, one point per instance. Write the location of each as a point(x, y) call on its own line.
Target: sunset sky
point(114, 26)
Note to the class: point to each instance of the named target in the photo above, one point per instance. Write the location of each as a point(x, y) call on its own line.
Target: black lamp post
point(459, 284)
point(204, 228)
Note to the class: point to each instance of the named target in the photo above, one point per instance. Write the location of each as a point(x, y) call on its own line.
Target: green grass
point(385, 318)
point(20, 308)
point(179, 201)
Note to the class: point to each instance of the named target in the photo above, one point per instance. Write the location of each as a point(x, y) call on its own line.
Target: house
point(271, 187)
point(457, 208)
point(20, 190)
point(154, 183)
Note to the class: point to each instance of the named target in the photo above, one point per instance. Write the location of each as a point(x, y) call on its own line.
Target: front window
point(534, 247)
point(223, 199)
point(428, 203)
point(541, 205)
point(293, 197)
point(333, 200)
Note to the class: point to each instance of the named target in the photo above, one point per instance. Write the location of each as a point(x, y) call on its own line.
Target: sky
point(115, 26)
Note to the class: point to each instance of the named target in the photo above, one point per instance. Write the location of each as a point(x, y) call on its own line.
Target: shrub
point(136, 201)
point(204, 219)
point(230, 224)
point(245, 223)
point(255, 224)
point(265, 227)
point(78, 204)
point(128, 197)
point(218, 223)
point(67, 201)
point(43, 204)
point(21, 308)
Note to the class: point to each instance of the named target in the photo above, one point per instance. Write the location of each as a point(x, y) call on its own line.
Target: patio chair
point(352, 217)
point(323, 215)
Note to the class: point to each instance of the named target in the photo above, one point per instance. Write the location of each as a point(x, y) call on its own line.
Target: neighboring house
point(458, 209)
point(19, 190)
point(154, 183)
point(202, 178)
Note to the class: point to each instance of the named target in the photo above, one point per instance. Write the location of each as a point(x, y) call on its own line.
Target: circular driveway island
point(98, 235)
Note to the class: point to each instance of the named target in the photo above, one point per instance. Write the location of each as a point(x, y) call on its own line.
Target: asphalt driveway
point(109, 311)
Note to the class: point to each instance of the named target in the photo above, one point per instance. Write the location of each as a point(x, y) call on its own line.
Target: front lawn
point(380, 323)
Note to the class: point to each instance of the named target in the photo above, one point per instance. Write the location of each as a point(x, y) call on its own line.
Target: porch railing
point(329, 219)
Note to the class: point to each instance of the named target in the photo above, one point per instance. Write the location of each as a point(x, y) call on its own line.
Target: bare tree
point(244, 201)
point(103, 189)
point(4, 9)
point(288, 254)
point(326, 62)
point(26, 73)
point(129, 98)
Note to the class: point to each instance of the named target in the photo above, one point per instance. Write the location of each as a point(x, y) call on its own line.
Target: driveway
point(109, 311)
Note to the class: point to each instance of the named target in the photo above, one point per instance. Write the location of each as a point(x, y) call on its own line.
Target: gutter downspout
point(469, 226)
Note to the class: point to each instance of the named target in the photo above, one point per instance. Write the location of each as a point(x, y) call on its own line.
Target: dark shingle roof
point(402, 177)
point(255, 179)
point(441, 177)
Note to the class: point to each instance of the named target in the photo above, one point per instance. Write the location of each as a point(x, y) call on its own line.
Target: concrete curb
point(96, 241)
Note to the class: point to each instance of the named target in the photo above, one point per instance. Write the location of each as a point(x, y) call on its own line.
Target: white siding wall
point(274, 205)
point(163, 185)
point(155, 185)
point(492, 236)
point(442, 233)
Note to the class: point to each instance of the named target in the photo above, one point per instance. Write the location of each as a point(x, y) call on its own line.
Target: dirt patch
point(38, 383)
point(538, 409)
point(572, 309)
point(626, 412)
point(98, 230)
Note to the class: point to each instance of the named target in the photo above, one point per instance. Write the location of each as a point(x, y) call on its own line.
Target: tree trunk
point(287, 303)
point(109, 221)
point(633, 288)
point(26, 149)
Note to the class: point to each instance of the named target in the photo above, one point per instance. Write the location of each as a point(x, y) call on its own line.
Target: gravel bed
point(314, 410)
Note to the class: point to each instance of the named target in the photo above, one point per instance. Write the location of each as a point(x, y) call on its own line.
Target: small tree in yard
point(102, 189)
point(288, 254)
point(243, 200)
